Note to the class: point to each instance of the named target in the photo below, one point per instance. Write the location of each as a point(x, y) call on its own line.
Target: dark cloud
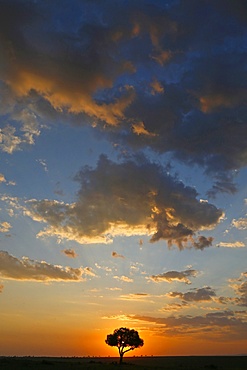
point(212, 323)
point(170, 77)
point(69, 253)
point(171, 276)
point(117, 255)
point(135, 197)
point(195, 295)
point(26, 269)
point(171, 307)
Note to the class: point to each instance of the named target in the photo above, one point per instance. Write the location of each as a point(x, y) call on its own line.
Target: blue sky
point(123, 175)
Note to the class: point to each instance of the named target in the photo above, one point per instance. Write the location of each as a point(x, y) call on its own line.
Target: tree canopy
point(125, 340)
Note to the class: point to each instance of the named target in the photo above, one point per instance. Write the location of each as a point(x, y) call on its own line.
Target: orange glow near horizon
point(41, 341)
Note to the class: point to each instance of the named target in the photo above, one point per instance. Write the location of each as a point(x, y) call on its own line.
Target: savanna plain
point(130, 363)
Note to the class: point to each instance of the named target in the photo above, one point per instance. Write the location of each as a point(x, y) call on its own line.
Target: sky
point(123, 146)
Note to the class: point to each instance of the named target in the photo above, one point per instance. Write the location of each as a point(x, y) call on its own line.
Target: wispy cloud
point(171, 307)
point(236, 244)
point(43, 164)
point(136, 297)
point(88, 271)
point(123, 278)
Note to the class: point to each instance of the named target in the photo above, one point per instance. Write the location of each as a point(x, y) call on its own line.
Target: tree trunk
point(121, 359)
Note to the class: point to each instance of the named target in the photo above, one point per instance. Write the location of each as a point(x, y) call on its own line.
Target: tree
point(125, 339)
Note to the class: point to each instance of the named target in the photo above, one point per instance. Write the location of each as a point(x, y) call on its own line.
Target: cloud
point(117, 317)
point(56, 68)
point(157, 87)
point(171, 307)
point(114, 289)
point(43, 164)
point(5, 227)
point(139, 129)
point(14, 138)
point(105, 268)
point(88, 271)
point(236, 244)
point(240, 287)
point(123, 278)
point(220, 323)
point(135, 197)
point(26, 269)
point(2, 178)
point(195, 295)
point(135, 297)
point(69, 253)
point(107, 68)
point(116, 255)
point(240, 224)
point(170, 276)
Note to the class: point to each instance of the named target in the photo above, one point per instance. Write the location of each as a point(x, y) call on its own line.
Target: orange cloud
point(210, 102)
point(139, 129)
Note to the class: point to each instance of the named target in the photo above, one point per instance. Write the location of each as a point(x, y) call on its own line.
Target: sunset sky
point(123, 146)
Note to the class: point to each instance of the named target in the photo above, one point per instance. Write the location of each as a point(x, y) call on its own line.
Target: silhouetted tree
point(125, 339)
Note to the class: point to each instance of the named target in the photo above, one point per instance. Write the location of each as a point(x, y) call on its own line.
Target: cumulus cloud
point(240, 223)
point(69, 253)
point(195, 295)
point(26, 269)
point(170, 276)
point(135, 197)
point(5, 227)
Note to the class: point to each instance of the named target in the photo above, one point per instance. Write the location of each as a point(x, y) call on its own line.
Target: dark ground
point(130, 363)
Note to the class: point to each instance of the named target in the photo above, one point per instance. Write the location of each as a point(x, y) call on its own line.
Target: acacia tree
point(125, 339)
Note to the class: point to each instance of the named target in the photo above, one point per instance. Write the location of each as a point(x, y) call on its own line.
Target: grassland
point(130, 363)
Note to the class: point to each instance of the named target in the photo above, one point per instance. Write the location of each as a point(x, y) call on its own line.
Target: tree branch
point(127, 350)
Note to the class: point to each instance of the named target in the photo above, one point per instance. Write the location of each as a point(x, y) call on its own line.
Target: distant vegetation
point(130, 363)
